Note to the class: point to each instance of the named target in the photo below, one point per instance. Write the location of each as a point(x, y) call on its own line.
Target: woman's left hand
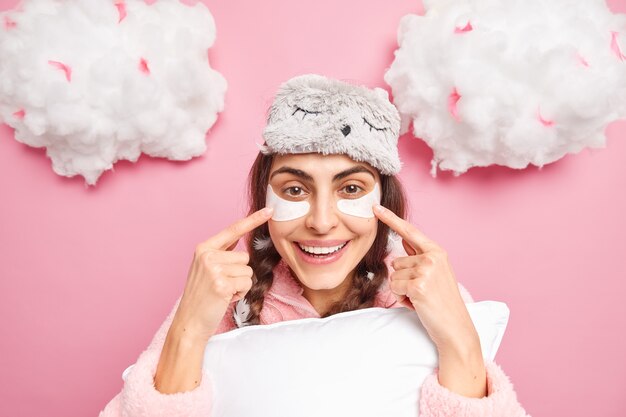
point(425, 282)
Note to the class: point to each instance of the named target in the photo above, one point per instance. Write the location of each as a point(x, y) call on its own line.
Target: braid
point(262, 261)
point(263, 255)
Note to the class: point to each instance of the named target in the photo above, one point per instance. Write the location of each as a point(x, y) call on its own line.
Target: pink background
point(88, 274)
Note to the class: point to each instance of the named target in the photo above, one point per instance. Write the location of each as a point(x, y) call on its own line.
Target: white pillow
point(369, 362)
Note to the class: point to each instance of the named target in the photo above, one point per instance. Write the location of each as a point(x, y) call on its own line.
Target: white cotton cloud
point(95, 82)
point(512, 82)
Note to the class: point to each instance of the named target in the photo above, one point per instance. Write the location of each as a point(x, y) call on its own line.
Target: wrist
point(465, 344)
point(463, 372)
point(180, 364)
point(467, 359)
point(188, 333)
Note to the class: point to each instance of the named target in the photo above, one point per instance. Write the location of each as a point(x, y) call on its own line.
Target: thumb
point(405, 301)
point(408, 248)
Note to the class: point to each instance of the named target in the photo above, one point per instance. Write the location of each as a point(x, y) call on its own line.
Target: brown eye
point(293, 191)
point(352, 189)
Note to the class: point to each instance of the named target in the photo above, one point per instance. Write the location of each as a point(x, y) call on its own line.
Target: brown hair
point(262, 261)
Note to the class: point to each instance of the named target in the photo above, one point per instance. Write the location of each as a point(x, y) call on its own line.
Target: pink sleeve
point(139, 397)
point(501, 400)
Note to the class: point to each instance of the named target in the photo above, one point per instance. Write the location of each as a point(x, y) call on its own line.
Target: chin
point(324, 276)
point(322, 281)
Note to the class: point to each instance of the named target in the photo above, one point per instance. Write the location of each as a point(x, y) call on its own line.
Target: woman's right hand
point(217, 277)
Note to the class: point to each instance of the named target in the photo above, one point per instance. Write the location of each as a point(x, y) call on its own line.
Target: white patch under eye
point(360, 207)
point(284, 209)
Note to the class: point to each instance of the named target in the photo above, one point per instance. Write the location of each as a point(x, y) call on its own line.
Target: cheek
point(363, 228)
point(282, 230)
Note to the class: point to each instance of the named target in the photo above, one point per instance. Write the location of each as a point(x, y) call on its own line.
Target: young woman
point(323, 200)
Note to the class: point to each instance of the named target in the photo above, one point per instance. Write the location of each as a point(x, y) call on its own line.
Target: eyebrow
point(353, 170)
point(301, 174)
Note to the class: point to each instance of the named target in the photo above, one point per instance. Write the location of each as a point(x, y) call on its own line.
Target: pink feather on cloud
point(615, 46)
point(143, 66)
point(8, 23)
point(467, 28)
point(63, 67)
point(544, 121)
point(121, 10)
point(453, 99)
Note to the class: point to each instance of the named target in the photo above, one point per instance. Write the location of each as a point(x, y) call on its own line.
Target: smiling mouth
point(321, 251)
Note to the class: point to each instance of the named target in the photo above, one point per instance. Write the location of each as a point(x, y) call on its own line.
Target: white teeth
point(321, 250)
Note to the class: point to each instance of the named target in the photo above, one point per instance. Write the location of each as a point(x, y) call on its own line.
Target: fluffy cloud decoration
point(509, 82)
point(97, 81)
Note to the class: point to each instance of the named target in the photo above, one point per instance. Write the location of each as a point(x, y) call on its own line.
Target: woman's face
point(321, 181)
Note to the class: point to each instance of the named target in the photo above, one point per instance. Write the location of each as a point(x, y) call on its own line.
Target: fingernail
point(268, 210)
point(379, 208)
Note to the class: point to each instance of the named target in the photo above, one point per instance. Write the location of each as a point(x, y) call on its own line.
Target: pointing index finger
point(229, 236)
point(411, 234)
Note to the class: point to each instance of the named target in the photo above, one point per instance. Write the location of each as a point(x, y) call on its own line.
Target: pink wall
point(87, 275)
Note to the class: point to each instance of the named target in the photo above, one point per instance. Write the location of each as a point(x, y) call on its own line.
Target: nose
point(346, 130)
point(322, 216)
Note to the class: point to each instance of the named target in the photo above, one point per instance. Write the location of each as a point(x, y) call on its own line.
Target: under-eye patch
point(362, 206)
point(284, 209)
